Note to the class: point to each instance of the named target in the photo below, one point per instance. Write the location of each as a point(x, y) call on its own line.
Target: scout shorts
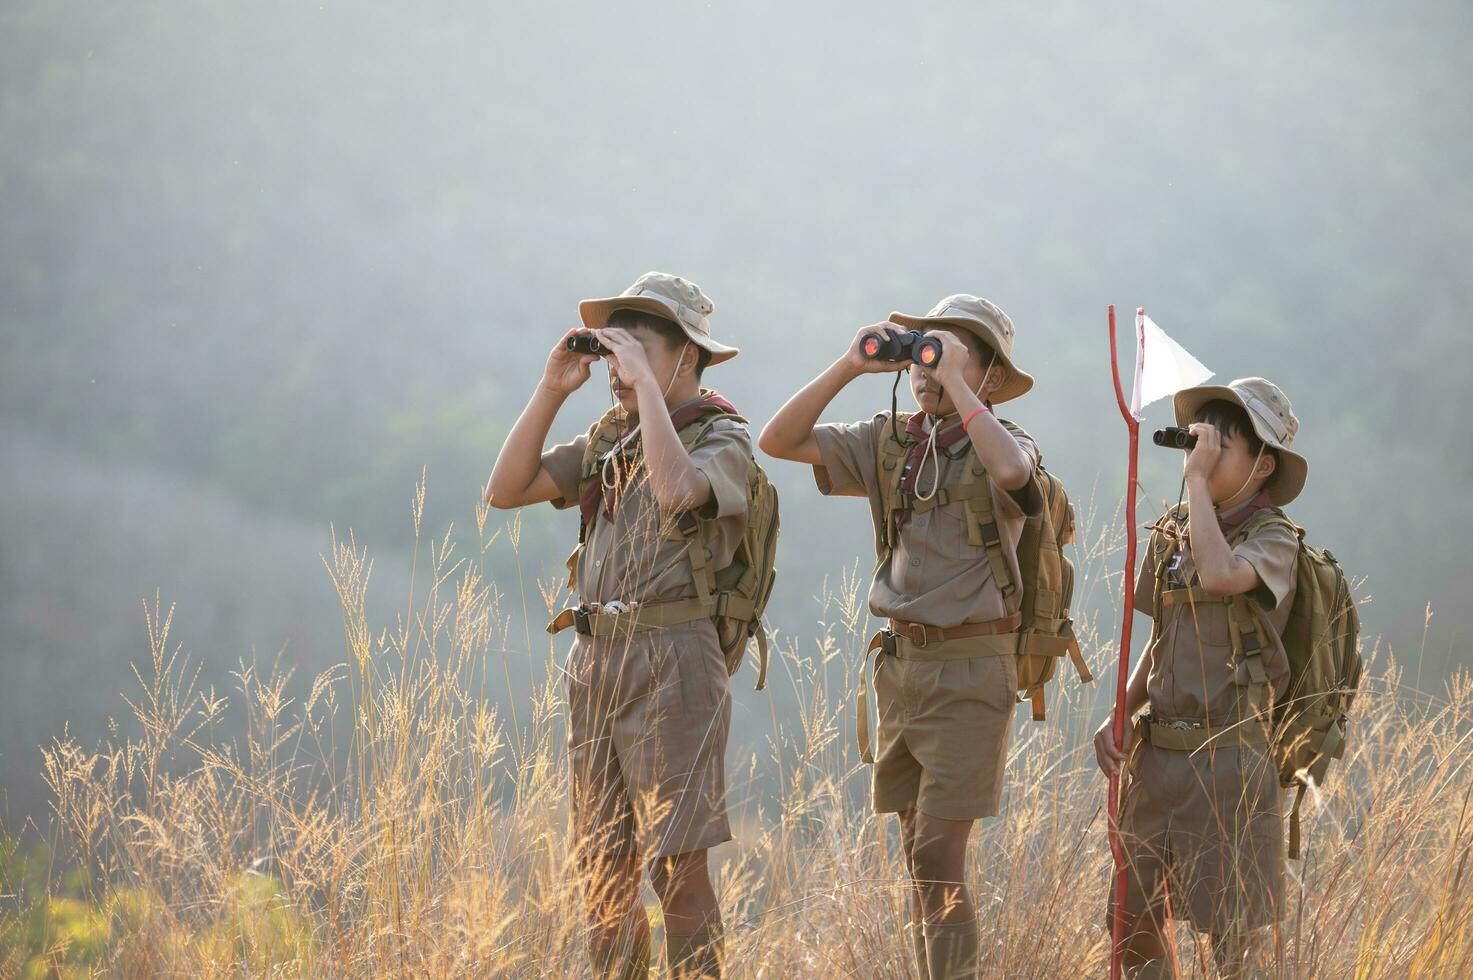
point(942, 739)
point(648, 718)
point(1203, 830)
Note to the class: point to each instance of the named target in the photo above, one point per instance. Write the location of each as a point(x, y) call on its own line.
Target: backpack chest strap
point(1192, 595)
point(1245, 627)
point(972, 491)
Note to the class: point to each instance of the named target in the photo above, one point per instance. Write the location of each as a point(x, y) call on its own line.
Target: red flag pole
point(1117, 919)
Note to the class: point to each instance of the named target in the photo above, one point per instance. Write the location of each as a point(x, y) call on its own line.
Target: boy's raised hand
point(954, 357)
point(567, 370)
point(863, 365)
point(627, 358)
point(1202, 457)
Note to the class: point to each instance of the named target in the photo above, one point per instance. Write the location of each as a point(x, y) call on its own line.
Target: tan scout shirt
point(935, 575)
point(1192, 673)
point(628, 558)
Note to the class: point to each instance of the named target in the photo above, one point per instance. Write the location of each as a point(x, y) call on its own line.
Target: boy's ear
point(1267, 465)
point(996, 375)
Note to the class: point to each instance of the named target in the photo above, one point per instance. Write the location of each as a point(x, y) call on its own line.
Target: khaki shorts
point(648, 717)
point(1206, 830)
point(942, 739)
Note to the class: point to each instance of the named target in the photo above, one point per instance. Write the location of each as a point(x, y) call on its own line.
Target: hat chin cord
point(628, 437)
point(933, 451)
point(1251, 471)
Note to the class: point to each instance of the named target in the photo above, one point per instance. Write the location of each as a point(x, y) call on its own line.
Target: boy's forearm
point(674, 478)
point(1006, 461)
point(520, 459)
point(1220, 571)
point(793, 424)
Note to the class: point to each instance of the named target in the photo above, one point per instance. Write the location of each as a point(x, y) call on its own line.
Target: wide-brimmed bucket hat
point(1273, 420)
point(666, 296)
point(989, 323)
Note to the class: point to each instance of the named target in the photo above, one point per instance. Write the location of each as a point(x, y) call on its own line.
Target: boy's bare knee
point(679, 876)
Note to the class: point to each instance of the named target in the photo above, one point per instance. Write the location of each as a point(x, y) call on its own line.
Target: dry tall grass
point(436, 843)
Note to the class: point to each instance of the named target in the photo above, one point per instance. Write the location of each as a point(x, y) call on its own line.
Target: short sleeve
point(724, 456)
point(848, 452)
point(1144, 599)
point(1272, 550)
point(564, 463)
point(1027, 500)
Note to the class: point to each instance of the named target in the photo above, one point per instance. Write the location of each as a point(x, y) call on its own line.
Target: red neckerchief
point(1174, 528)
point(623, 462)
point(1248, 510)
point(920, 437)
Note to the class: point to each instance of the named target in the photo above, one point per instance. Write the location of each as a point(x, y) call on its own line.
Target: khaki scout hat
point(1273, 419)
point(984, 319)
point(667, 296)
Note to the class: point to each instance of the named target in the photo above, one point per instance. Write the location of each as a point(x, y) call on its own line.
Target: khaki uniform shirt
point(630, 557)
point(935, 575)
point(1193, 675)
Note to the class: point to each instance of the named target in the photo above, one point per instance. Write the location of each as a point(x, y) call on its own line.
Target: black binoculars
point(584, 342)
point(893, 345)
point(1174, 437)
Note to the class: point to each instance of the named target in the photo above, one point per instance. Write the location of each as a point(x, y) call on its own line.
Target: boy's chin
point(933, 404)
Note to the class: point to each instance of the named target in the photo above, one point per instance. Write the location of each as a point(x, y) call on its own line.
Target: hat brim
point(1018, 382)
point(595, 316)
point(1292, 470)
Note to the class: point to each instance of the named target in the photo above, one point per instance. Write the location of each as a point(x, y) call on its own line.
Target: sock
point(694, 955)
point(628, 958)
point(951, 949)
point(918, 946)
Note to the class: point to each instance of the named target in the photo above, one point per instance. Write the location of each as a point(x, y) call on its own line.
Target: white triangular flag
point(1162, 366)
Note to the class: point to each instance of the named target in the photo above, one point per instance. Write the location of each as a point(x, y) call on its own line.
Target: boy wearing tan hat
point(945, 676)
point(648, 700)
point(1201, 807)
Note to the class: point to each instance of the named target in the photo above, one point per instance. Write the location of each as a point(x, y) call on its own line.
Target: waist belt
point(917, 641)
point(922, 636)
point(642, 616)
point(1191, 736)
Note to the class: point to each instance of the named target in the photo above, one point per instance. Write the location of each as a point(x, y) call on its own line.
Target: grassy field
point(385, 820)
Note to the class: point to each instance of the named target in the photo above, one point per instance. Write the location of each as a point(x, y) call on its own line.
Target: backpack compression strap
point(973, 490)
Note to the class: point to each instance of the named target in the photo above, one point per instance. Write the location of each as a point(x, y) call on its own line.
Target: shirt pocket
point(1205, 622)
point(950, 535)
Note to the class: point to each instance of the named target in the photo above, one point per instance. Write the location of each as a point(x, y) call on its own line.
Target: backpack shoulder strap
point(603, 435)
point(982, 529)
point(690, 526)
point(1245, 624)
point(1160, 549)
point(890, 454)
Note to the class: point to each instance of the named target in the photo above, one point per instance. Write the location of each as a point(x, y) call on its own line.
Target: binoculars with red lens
point(892, 345)
point(584, 342)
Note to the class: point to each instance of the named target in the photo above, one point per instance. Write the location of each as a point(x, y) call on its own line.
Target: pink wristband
point(980, 408)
